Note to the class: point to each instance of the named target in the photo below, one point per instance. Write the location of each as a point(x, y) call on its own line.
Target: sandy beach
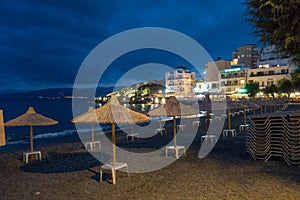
point(68, 171)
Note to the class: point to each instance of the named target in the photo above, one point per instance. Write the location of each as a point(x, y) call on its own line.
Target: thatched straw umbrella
point(267, 103)
point(206, 106)
point(87, 118)
point(173, 108)
point(259, 102)
point(235, 105)
point(251, 104)
point(277, 103)
point(230, 105)
point(282, 102)
point(31, 118)
point(2, 133)
point(113, 113)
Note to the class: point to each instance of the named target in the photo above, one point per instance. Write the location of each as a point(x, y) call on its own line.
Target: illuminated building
point(180, 81)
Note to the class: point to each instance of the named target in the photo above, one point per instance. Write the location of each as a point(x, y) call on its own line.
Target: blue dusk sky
point(43, 43)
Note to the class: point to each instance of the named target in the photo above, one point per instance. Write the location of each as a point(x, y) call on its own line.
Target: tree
point(285, 86)
point(271, 90)
point(277, 23)
point(252, 88)
point(296, 79)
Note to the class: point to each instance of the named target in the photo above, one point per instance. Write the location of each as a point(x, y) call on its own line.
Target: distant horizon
point(12, 91)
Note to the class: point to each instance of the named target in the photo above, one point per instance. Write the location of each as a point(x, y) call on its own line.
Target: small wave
point(25, 139)
point(17, 142)
point(54, 134)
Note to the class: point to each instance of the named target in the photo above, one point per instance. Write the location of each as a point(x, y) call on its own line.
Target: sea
point(17, 138)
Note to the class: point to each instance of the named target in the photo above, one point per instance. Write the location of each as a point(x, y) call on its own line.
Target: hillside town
point(250, 65)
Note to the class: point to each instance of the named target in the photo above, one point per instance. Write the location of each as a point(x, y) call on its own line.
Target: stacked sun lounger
point(274, 135)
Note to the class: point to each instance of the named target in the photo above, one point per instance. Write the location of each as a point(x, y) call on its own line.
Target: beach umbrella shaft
point(174, 132)
point(31, 138)
point(113, 138)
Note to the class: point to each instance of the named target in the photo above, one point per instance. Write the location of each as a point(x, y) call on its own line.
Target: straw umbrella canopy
point(173, 108)
point(114, 113)
point(87, 118)
point(205, 105)
point(265, 103)
point(234, 105)
point(276, 103)
point(31, 118)
point(282, 101)
point(260, 102)
point(250, 104)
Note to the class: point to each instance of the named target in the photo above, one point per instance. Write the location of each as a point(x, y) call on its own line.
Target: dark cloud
point(43, 43)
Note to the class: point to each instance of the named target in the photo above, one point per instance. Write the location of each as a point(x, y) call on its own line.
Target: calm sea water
point(17, 138)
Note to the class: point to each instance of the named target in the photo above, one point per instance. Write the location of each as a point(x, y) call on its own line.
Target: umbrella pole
point(131, 129)
point(113, 139)
point(228, 112)
point(244, 116)
point(208, 119)
point(261, 110)
point(93, 133)
point(160, 121)
point(174, 124)
point(31, 138)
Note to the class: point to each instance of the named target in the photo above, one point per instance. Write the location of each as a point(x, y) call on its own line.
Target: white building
point(268, 76)
point(269, 57)
point(180, 81)
point(233, 79)
point(212, 76)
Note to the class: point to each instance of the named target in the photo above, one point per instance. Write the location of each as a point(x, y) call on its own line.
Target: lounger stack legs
point(274, 135)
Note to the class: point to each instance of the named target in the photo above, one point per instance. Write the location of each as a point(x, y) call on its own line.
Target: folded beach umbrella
point(31, 118)
point(173, 108)
point(114, 113)
point(2, 133)
point(88, 117)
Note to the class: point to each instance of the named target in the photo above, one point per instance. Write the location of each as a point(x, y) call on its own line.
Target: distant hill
point(152, 87)
point(52, 93)
point(65, 93)
point(12, 91)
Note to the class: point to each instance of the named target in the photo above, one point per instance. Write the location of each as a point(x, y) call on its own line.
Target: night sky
point(43, 43)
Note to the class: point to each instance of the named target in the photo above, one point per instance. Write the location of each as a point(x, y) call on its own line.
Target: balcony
point(232, 76)
point(231, 84)
point(273, 74)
